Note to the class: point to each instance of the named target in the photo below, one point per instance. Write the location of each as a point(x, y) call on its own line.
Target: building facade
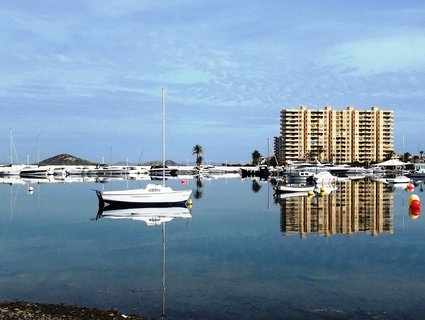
point(340, 136)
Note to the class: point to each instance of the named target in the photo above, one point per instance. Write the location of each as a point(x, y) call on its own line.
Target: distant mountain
point(65, 159)
point(159, 163)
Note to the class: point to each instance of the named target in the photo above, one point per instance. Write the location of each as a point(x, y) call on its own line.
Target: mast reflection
point(152, 216)
point(356, 206)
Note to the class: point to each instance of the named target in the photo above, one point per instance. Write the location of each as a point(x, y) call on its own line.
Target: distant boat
point(418, 174)
point(159, 171)
point(294, 188)
point(324, 177)
point(105, 170)
point(287, 195)
point(398, 179)
point(35, 172)
point(153, 194)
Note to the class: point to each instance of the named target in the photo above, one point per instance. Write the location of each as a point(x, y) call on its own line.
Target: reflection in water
point(255, 186)
point(199, 185)
point(153, 216)
point(357, 206)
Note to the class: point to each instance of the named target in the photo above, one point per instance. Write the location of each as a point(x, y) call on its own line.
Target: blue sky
point(85, 77)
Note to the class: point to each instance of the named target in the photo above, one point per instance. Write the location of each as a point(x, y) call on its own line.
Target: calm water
point(354, 253)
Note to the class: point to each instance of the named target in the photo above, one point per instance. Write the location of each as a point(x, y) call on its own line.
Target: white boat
point(299, 176)
point(418, 174)
point(36, 172)
point(11, 170)
point(398, 179)
point(78, 170)
point(324, 178)
point(159, 171)
point(286, 195)
point(153, 194)
point(294, 188)
point(105, 170)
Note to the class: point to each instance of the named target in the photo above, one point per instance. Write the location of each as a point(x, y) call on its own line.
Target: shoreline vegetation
point(21, 310)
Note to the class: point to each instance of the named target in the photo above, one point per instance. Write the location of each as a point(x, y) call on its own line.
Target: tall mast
point(163, 136)
point(11, 146)
point(38, 149)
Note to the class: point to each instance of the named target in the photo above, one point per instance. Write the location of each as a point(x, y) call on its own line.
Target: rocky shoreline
point(19, 310)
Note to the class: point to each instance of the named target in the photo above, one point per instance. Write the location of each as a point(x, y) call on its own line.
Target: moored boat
point(398, 179)
point(294, 188)
point(153, 195)
point(324, 177)
point(417, 175)
point(286, 195)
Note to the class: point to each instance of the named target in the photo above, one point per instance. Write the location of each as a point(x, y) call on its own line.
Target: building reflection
point(356, 206)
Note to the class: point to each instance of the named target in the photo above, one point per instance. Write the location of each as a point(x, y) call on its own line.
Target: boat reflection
point(356, 206)
point(152, 216)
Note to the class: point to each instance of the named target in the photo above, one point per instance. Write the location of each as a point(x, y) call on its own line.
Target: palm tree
point(422, 154)
point(389, 155)
point(407, 156)
point(256, 156)
point(197, 149)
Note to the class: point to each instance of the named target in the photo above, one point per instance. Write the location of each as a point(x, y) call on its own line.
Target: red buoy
point(414, 212)
point(415, 204)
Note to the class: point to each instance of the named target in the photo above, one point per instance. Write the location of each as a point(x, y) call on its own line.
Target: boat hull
point(152, 196)
point(294, 188)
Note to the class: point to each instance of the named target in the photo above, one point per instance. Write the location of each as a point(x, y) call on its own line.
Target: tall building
point(341, 136)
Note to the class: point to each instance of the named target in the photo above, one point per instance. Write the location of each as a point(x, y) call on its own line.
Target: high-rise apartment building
point(341, 136)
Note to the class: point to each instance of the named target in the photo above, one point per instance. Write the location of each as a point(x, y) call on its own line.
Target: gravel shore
point(28, 311)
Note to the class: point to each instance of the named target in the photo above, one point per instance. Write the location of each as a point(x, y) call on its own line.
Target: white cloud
point(379, 55)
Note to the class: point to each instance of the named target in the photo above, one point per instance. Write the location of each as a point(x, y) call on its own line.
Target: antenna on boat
point(163, 135)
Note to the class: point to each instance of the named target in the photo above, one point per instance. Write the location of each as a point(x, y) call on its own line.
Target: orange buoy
point(410, 187)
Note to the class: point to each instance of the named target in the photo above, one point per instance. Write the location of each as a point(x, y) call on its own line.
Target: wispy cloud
point(399, 53)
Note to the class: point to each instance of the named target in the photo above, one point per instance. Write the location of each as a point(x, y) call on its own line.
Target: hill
point(65, 159)
point(159, 163)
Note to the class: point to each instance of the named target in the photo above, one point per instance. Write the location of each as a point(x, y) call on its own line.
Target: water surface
point(353, 253)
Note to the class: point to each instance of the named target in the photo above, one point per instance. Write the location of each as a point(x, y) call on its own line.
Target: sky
point(84, 77)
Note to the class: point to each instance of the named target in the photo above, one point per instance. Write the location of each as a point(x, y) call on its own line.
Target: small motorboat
point(398, 179)
point(294, 188)
point(287, 195)
point(325, 177)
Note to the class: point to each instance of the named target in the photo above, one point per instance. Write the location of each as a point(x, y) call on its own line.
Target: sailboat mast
point(11, 146)
point(163, 136)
